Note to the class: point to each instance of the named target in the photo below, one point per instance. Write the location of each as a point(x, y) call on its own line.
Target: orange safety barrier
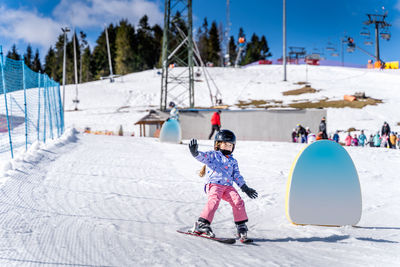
point(349, 98)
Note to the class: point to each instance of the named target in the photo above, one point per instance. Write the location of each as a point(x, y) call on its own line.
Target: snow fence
point(30, 106)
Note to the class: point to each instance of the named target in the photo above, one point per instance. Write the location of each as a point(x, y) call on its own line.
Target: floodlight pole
point(109, 55)
point(76, 101)
point(65, 30)
point(284, 41)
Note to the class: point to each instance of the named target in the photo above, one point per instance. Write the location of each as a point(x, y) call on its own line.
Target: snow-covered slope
point(117, 201)
point(87, 200)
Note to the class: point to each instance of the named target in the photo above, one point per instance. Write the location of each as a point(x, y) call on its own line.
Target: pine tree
point(144, 44)
point(82, 48)
point(124, 60)
point(203, 40)
point(13, 54)
point(214, 45)
point(264, 48)
point(36, 64)
point(87, 65)
point(157, 44)
point(232, 51)
point(50, 67)
point(28, 57)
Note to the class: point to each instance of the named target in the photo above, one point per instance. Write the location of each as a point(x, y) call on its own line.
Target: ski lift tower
point(380, 23)
point(296, 53)
point(177, 82)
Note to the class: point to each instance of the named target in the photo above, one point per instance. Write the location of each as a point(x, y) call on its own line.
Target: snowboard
point(218, 239)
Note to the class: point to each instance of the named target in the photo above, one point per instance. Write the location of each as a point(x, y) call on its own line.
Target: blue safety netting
point(30, 106)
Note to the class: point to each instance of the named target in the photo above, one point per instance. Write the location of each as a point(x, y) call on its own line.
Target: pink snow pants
point(217, 192)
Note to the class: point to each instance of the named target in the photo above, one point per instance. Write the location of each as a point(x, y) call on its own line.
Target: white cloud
point(28, 26)
point(94, 13)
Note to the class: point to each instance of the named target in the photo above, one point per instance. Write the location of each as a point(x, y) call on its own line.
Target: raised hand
point(193, 147)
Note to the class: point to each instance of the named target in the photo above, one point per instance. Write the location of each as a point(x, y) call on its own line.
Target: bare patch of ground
point(259, 104)
point(337, 103)
point(304, 90)
point(305, 103)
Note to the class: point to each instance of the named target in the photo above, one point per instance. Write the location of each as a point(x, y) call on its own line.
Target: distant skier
point(215, 123)
point(354, 141)
point(294, 136)
point(377, 140)
point(362, 139)
point(371, 140)
point(348, 140)
point(311, 138)
point(322, 128)
point(393, 140)
point(222, 170)
point(336, 137)
point(398, 140)
point(301, 133)
point(174, 113)
point(385, 131)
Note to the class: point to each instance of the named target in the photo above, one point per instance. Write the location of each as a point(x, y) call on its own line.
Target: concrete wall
point(266, 125)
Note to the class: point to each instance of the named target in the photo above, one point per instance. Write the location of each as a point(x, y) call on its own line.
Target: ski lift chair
point(368, 42)
point(351, 47)
point(365, 32)
point(385, 35)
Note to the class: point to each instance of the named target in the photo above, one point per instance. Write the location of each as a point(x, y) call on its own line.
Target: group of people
point(304, 135)
point(384, 138)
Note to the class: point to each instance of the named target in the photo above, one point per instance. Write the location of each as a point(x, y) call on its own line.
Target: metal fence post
point(55, 108)
point(61, 109)
point(38, 121)
point(44, 108)
point(5, 100)
point(49, 107)
point(26, 113)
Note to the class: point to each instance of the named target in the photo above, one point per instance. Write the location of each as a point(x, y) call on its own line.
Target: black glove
point(193, 147)
point(249, 191)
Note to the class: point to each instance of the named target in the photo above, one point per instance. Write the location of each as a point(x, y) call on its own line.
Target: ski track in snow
point(118, 201)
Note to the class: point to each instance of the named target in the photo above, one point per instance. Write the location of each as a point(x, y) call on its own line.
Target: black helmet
point(225, 136)
point(171, 104)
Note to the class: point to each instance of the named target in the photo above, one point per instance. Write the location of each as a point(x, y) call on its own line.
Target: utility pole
point(109, 55)
point(380, 23)
point(177, 84)
point(65, 30)
point(227, 30)
point(284, 41)
point(76, 101)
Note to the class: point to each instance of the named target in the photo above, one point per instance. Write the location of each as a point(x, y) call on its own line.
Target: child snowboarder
point(222, 170)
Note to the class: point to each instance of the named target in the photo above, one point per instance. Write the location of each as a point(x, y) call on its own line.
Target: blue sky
point(310, 23)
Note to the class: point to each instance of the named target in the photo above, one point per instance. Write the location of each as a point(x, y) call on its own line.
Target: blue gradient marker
point(171, 132)
point(323, 187)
